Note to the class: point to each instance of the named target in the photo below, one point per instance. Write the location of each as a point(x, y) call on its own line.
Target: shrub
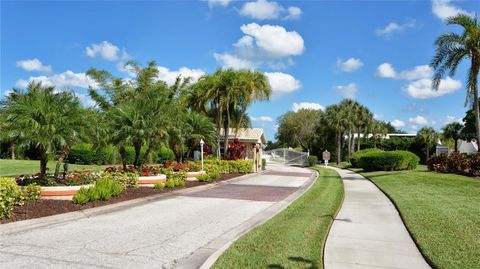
point(264, 163)
point(10, 195)
point(170, 183)
point(438, 163)
point(354, 159)
point(81, 154)
point(214, 176)
point(458, 163)
point(32, 192)
point(165, 155)
point(229, 167)
point(312, 160)
point(204, 178)
point(127, 180)
point(159, 186)
point(475, 165)
point(130, 154)
point(389, 161)
point(104, 189)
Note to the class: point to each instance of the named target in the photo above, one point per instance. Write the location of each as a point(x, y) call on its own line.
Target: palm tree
point(349, 107)
point(227, 91)
point(428, 137)
point(43, 118)
point(363, 117)
point(378, 129)
point(453, 131)
point(336, 120)
point(452, 49)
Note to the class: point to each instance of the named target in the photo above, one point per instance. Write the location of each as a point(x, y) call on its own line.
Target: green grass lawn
point(442, 211)
point(10, 168)
point(295, 237)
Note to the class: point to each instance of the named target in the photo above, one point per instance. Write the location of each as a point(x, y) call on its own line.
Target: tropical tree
point(452, 49)
point(362, 119)
point(378, 130)
point(44, 118)
point(453, 131)
point(428, 138)
point(225, 91)
point(299, 128)
point(335, 119)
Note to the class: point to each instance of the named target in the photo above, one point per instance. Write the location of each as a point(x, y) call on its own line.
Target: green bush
point(159, 186)
point(32, 192)
point(104, 189)
point(214, 176)
point(130, 154)
point(204, 178)
point(127, 180)
point(229, 167)
point(354, 159)
point(264, 163)
point(165, 155)
point(170, 183)
point(10, 195)
point(86, 154)
point(312, 160)
point(389, 161)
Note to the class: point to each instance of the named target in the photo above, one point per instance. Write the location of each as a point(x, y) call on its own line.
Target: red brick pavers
point(246, 192)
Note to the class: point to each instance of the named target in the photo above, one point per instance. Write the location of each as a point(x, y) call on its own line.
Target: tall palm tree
point(363, 117)
point(428, 137)
point(453, 131)
point(378, 129)
point(452, 49)
point(349, 107)
point(336, 120)
point(42, 117)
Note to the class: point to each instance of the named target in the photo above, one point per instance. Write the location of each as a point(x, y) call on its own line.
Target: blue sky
point(315, 53)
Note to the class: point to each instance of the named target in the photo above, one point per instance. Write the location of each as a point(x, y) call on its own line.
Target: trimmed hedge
point(355, 158)
point(165, 155)
point(85, 154)
point(228, 167)
point(10, 195)
point(389, 161)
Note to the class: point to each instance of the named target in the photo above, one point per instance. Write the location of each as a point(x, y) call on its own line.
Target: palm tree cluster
point(142, 112)
point(343, 124)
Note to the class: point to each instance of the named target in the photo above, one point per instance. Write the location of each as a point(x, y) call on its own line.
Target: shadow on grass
point(311, 264)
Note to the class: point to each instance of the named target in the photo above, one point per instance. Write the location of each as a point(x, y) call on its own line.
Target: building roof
point(254, 135)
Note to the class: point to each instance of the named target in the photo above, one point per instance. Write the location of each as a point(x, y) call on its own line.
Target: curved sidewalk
point(368, 231)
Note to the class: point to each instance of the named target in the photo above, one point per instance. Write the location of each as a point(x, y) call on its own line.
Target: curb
point(25, 225)
point(206, 256)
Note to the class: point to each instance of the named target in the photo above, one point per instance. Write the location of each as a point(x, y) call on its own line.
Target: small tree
point(428, 137)
point(453, 131)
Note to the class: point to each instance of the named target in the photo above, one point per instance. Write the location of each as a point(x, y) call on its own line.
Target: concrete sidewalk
point(368, 231)
point(179, 231)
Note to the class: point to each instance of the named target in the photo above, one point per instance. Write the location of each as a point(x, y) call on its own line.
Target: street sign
point(326, 155)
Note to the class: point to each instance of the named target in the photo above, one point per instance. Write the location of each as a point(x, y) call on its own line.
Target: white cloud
point(275, 41)
point(264, 10)
point(413, 127)
point(34, 65)
point(221, 3)
point(419, 120)
point(394, 27)
point(450, 119)
point(262, 119)
point(170, 76)
point(349, 65)
point(85, 100)
point(347, 91)
point(386, 70)
point(293, 13)
point(422, 89)
point(232, 61)
point(106, 51)
point(305, 105)
point(397, 124)
point(282, 83)
point(444, 9)
point(67, 79)
point(378, 117)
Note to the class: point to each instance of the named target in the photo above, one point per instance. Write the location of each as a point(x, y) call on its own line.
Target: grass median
point(295, 237)
point(442, 211)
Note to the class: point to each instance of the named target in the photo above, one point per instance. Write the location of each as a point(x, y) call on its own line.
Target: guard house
point(251, 137)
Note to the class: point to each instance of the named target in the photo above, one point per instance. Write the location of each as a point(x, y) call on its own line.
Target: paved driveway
point(181, 230)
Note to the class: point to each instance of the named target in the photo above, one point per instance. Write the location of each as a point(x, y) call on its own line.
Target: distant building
point(467, 147)
point(386, 136)
point(250, 137)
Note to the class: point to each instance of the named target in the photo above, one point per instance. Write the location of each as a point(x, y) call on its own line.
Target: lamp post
point(201, 150)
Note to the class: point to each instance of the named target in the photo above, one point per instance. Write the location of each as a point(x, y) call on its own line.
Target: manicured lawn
point(27, 167)
point(295, 237)
point(442, 211)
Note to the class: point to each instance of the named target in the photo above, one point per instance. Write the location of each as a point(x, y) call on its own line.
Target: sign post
point(326, 157)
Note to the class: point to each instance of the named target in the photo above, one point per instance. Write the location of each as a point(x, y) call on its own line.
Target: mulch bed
point(43, 208)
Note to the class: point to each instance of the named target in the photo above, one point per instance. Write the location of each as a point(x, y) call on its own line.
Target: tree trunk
point(13, 152)
point(475, 69)
point(43, 163)
point(339, 147)
point(226, 133)
point(123, 156)
point(349, 143)
point(62, 156)
point(138, 148)
point(456, 144)
point(358, 139)
point(219, 126)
